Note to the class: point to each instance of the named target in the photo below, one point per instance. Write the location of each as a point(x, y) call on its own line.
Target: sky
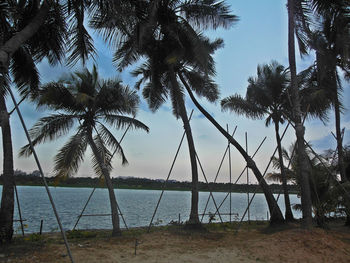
point(259, 37)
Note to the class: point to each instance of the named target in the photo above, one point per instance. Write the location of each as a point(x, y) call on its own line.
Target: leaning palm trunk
point(194, 218)
point(7, 199)
point(304, 168)
point(288, 214)
point(275, 211)
point(114, 207)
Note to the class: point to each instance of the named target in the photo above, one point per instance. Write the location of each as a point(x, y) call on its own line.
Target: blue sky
point(259, 37)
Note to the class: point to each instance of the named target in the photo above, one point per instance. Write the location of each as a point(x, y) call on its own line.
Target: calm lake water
point(137, 207)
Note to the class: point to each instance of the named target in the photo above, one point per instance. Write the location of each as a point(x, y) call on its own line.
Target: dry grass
point(219, 243)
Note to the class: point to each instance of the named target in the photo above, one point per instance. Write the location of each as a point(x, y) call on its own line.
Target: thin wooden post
point(230, 173)
point(41, 226)
point(246, 149)
point(19, 209)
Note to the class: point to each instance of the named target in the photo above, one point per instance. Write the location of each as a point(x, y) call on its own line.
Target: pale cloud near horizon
point(259, 37)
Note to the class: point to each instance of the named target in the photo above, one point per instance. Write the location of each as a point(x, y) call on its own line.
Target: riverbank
point(219, 243)
point(145, 184)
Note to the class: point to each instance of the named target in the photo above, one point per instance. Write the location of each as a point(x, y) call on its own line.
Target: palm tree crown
point(267, 94)
point(92, 103)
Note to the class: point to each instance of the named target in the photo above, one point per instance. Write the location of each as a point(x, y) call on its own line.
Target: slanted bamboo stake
point(93, 190)
point(210, 192)
point(19, 210)
point(169, 173)
point(222, 202)
point(230, 173)
point(42, 175)
point(217, 173)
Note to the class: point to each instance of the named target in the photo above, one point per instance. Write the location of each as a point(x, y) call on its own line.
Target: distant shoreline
point(145, 184)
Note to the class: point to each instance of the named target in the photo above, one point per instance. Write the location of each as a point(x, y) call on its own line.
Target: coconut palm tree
point(31, 30)
point(162, 32)
point(325, 192)
point(296, 20)
point(300, 16)
point(331, 42)
point(267, 95)
point(90, 103)
point(19, 68)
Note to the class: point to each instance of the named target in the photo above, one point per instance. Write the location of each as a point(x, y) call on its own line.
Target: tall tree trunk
point(304, 168)
point(339, 139)
point(194, 218)
point(113, 201)
point(275, 211)
point(7, 198)
point(288, 214)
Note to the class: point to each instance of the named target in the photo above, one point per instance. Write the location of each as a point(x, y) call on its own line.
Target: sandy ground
point(250, 244)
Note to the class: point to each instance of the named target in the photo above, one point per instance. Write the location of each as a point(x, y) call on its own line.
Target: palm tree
point(267, 95)
point(30, 31)
point(297, 20)
point(90, 103)
point(17, 64)
point(162, 32)
point(331, 42)
point(325, 192)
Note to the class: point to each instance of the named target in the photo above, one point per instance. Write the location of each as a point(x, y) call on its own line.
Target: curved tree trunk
point(275, 211)
point(304, 168)
point(113, 201)
point(194, 218)
point(7, 198)
point(288, 214)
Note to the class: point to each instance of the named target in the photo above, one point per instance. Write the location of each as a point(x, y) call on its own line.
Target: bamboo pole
point(169, 173)
point(42, 175)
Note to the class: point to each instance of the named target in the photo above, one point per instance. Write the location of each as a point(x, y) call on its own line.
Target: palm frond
point(242, 107)
point(121, 122)
point(49, 41)
point(104, 156)
point(24, 71)
point(108, 138)
point(207, 14)
point(80, 42)
point(48, 128)
point(127, 53)
point(51, 94)
point(202, 85)
point(302, 20)
point(113, 97)
point(70, 156)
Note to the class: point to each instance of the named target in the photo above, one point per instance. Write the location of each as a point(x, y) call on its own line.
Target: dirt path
point(175, 245)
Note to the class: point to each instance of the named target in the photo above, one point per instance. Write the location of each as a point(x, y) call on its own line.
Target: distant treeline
point(34, 179)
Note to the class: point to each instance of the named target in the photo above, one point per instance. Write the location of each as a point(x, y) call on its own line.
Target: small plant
point(158, 222)
point(35, 237)
point(211, 217)
point(73, 234)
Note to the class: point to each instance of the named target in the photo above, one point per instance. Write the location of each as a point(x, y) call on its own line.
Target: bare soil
point(219, 243)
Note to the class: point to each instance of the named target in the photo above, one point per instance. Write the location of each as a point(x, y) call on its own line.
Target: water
point(137, 207)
